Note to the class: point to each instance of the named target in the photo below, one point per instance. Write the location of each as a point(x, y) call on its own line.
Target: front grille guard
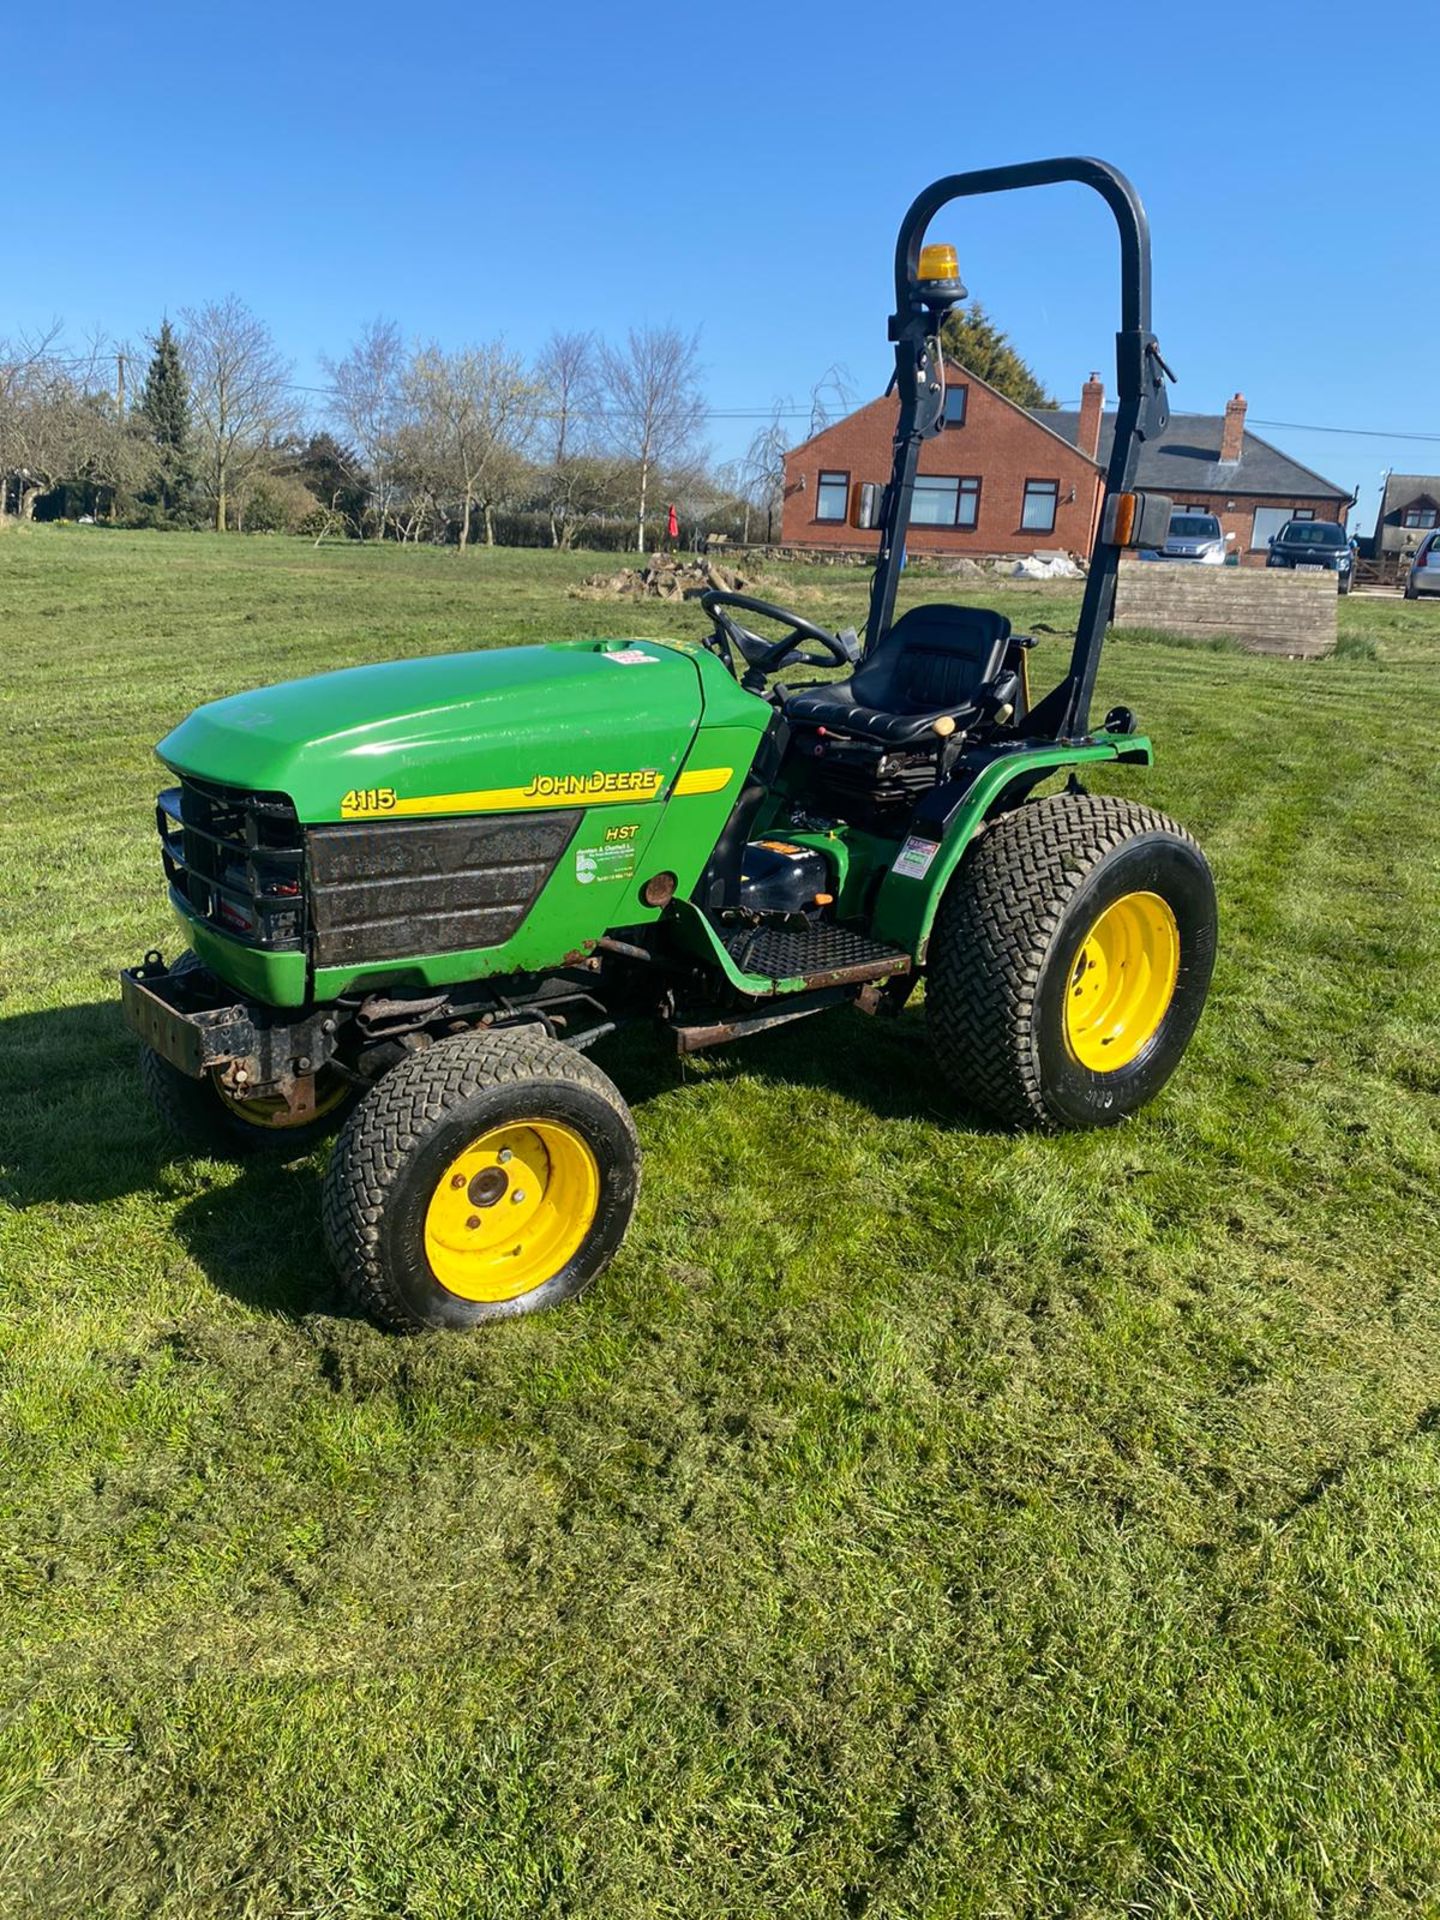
point(236, 859)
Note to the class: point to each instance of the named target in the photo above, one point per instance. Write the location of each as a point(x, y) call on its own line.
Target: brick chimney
point(1092, 405)
point(1232, 440)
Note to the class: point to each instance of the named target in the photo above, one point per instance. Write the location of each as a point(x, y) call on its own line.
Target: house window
point(945, 500)
point(1268, 522)
point(955, 398)
point(1420, 515)
point(1303, 513)
point(832, 496)
point(1041, 499)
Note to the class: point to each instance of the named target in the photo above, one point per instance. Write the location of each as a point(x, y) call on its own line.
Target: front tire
point(212, 1122)
point(1070, 961)
point(490, 1175)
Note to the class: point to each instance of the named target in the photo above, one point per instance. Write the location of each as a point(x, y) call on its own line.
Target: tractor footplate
point(820, 956)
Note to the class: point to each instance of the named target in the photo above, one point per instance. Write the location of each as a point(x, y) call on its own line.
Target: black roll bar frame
point(1142, 410)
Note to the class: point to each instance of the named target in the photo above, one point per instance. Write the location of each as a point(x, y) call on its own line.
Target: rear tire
point(1080, 931)
point(490, 1175)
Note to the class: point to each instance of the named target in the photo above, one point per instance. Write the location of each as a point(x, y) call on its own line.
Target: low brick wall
point(1267, 612)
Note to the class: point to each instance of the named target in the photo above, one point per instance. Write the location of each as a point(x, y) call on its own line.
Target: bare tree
point(368, 403)
point(567, 375)
point(654, 407)
point(588, 490)
point(31, 373)
point(831, 398)
point(471, 414)
point(763, 471)
point(240, 392)
point(62, 419)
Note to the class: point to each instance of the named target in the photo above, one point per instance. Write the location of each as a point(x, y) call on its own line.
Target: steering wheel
point(841, 650)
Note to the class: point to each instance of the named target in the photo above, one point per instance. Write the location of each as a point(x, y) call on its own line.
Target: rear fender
point(948, 819)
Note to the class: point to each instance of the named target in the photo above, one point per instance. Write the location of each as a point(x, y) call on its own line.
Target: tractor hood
point(567, 724)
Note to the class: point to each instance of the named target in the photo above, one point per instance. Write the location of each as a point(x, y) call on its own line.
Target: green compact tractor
point(421, 891)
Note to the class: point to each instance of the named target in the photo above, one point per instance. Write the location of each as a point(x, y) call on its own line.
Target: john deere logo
point(586, 786)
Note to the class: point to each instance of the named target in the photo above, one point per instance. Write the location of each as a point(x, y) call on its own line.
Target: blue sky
point(479, 170)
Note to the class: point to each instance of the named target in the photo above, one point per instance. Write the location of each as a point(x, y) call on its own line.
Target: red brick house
point(1001, 479)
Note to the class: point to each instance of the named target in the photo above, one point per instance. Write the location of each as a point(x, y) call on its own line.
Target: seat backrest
point(933, 659)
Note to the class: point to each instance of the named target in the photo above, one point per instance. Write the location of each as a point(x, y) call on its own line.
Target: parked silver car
point(1425, 568)
point(1195, 536)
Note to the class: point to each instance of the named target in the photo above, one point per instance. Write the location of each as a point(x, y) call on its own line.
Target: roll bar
point(1140, 386)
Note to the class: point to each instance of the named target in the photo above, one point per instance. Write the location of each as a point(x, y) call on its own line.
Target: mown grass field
point(917, 1520)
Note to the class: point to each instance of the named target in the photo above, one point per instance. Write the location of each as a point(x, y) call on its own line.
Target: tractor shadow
point(883, 1064)
point(77, 1130)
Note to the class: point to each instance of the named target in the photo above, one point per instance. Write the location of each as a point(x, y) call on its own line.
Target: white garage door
point(1268, 522)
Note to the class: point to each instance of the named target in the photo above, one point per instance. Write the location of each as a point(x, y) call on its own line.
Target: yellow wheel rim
point(1122, 982)
point(269, 1110)
point(512, 1210)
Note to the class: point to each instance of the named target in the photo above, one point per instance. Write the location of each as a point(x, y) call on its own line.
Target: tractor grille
point(396, 889)
point(237, 859)
point(359, 890)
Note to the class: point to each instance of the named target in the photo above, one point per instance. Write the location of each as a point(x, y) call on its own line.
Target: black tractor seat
point(936, 663)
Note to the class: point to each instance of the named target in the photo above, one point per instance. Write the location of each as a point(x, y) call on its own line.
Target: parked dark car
point(1424, 576)
point(1315, 543)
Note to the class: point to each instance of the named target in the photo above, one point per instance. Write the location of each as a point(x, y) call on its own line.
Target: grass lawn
point(917, 1520)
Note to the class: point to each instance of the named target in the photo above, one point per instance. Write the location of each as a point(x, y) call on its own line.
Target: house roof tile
point(1187, 459)
point(1402, 488)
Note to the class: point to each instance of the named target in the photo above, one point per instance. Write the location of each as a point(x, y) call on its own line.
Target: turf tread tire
point(994, 931)
point(193, 1112)
point(394, 1119)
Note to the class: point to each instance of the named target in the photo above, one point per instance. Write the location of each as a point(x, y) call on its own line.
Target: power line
point(1361, 433)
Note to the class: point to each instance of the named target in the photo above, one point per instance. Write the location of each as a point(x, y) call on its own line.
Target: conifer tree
point(972, 337)
point(164, 411)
